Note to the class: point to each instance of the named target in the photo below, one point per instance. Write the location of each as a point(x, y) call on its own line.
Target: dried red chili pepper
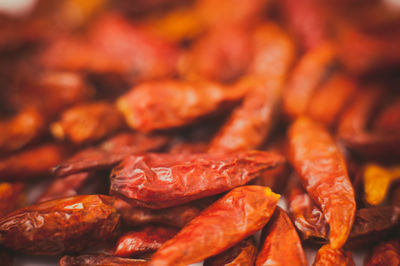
point(353, 132)
point(87, 122)
point(12, 196)
point(387, 253)
point(164, 180)
point(242, 254)
point(31, 163)
point(307, 217)
point(64, 225)
point(145, 107)
point(306, 77)
point(281, 243)
point(65, 187)
point(110, 152)
point(322, 169)
point(21, 130)
point(372, 225)
point(149, 238)
point(176, 216)
point(98, 259)
point(187, 147)
point(326, 255)
point(328, 101)
point(237, 215)
point(222, 54)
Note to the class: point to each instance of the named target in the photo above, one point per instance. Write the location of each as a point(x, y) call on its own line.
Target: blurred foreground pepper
point(244, 253)
point(237, 215)
point(146, 107)
point(163, 180)
point(110, 152)
point(148, 239)
point(326, 255)
point(386, 253)
point(281, 243)
point(87, 123)
point(65, 225)
point(322, 169)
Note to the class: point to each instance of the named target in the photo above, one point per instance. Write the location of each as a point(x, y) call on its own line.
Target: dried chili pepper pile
point(165, 132)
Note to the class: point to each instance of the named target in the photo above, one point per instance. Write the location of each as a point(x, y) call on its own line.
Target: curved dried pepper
point(282, 245)
point(307, 217)
point(306, 77)
point(176, 216)
point(387, 253)
point(110, 152)
point(237, 215)
point(12, 196)
point(65, 187)
point(145, 107)
point(223, 54)
point(328, 101)
point(99, 259)
point(149, 238)
point(322, 169)
point(242, 254)
point(326, 255)
point(31, 163)
point(64, 225)
point(21, 130)
point(163, 180)
point(354, 121)
point(372, 225)
point(377, 181)
point(87, 122)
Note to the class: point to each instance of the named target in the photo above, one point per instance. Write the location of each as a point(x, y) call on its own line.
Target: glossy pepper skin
point(322, 169)
point(31, 163)
point(164, 180)
point(148, 239)
point(110, 152)
point(99, 259)
point(177, 216)
point(145, 107)
point(87, 123)
point(64, 225)
point(242, 254)
point(307, 217)
point(281, 244)
point(237, 215)
point(387, 253)
point(326, 255)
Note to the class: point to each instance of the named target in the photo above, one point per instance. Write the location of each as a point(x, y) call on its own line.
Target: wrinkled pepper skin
point(65, 187)
point(99, 259)
point(110, 152)
point(12, 196)
point(87, 123)
point(242, 254)
point(372, 225)
point(64, 225)
point(177, 216)
point(149, 238)
point(387, 253)
point(307, 217)
point(306, 77)
point(20, 130)
point(353, 133)
point(377, 181)
point(146, 109)
point(31, 163)
point(326, 256)
point(322, 169)
point(164, 180)
point(237, 215)
point(281, 244)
